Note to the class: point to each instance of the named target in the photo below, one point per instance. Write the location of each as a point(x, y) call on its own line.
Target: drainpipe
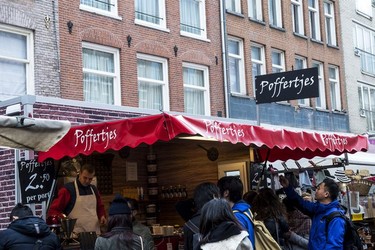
point(224, 39)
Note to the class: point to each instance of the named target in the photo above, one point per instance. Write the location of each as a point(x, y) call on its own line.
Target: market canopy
point(281, 144)
point(31, 133)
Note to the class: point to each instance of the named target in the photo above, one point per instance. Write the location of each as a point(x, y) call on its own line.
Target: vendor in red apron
point(80, 200)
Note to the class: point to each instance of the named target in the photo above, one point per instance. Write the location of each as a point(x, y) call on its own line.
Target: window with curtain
point(152, 82)
point(367, 104)
point(365, 44)
point(104, 7)
point(274, 8)
point(329, 18)
point(196, 89)
point(297, 17)
point(193, 18)
point(258, 62)
point(334, 84)
point(278, 64)
point(233, 5)
point(101, 78)
point(236, 66)
point(150, 13)
point(255, 9)
point(321, 100)
point(314, 20)
point(16, 62)
point(301, 63)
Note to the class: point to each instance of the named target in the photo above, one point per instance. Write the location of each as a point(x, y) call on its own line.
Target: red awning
point(283, 144)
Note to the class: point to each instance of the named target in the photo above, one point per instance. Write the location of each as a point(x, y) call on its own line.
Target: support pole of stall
point(53, 188)
point(262, 174)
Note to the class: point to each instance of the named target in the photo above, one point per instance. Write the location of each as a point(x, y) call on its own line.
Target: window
point(103, 7)
point(365, 47)
point(314, 20)
point(101, 74)
point(150, 13)
point(16, 62)
point(274, 7)
point(300, 63)
point(258, 62)
point(233, 5)
point(255, 9)
point(196, 89)
point(321, 100)
point(278, 64)
point(193, 18)
point(153, 90)
point(330, 23)
point(297, 17)
point(334, 84)
point(367, 104)
point(364, 7)
point(236, 66)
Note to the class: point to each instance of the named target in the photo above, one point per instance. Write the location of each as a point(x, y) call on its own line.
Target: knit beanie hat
point(119, 205)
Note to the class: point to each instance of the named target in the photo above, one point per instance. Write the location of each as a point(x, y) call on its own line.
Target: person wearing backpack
point(326, 203)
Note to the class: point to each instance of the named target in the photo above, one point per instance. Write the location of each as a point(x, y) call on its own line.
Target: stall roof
point(283, 144)
point(31, 133)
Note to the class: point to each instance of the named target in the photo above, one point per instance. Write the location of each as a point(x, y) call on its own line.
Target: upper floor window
point(258, 62)
point(255, 9)
point(321, 100)
point(153, 89)
point(314, 20)
point(16, 62)
point(367, 104)
point(275, 13)
point(193, 18)
point(364, 7)
point(196, 89)
point(333, 73)
point(301, 63)
point(236, 66)
point(233, 5)
point(101, 74)
point(329, 16)
point(365, 47)
point(297, 17)
point(103, 7)
point(278, 61)
point(150, 13)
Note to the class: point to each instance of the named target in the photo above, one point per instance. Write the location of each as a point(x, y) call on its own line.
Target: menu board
point(36, 180)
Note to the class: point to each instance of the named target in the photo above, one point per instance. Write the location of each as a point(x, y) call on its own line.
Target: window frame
point(335, 102)
point(205, 89)
point(329, 20)
point(368, 112)
point(278, 12)
point(322, 91)
point(164, 83)
point(30, 57)
point(113, 13)
point(162, 16)
point(203, 22)
point(115, 75)
point(363, 10)
point(261, 62)
point(281, 67)
point(297, 17)
point(315, 24)
point(237, 6)
point(365, 47)
point(241, 69)
point(305, 101)
point(258, 9)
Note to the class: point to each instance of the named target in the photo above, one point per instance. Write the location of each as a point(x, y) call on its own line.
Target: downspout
point(54, 11)
point(224, 39)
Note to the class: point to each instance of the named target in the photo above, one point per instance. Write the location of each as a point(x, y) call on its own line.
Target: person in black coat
point(27, 231)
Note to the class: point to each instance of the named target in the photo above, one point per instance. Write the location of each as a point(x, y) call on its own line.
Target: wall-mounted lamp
point(216, 60)
point(175, 49)
point(129, 39)
point(70, 27)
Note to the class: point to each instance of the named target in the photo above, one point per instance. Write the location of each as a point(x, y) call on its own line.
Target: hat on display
point(119, 205)
point(328, 174)
point(341, 176)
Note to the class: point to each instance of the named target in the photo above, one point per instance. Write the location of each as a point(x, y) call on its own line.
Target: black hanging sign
point(290, 85)
point(35, 180)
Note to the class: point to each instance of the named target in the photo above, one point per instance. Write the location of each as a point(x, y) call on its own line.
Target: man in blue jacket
point(326, 202)
point(231, 189)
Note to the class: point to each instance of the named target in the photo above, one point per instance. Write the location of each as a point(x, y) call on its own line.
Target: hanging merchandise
point(341, 176)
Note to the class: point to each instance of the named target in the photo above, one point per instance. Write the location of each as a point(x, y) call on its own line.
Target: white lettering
point(89, 137)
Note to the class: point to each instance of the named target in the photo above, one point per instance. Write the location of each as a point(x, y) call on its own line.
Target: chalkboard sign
point(35, 180)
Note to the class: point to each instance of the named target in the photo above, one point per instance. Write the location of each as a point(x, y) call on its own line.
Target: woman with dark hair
point(120, 234)
point(220, 229)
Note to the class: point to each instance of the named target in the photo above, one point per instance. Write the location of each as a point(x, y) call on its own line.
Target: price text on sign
point(35, 180)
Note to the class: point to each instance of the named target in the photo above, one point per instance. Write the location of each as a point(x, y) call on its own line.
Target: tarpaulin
point(282, 144)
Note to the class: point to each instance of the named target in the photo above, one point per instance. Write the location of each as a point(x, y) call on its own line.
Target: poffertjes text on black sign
point(291, 85)
point(35, 180)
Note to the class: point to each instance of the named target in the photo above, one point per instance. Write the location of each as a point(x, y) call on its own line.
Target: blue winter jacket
point(319, 238)
point(242, 206)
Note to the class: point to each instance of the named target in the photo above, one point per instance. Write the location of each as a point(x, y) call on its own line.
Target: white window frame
point(164, 83)
point(278, 12)
point(205, 89)
point(115, 75)
point(368, 110)
point(315, 22)
point(305, 101)
point(162, 16)
point(365, 46)
point(233, 5)
point(255, 9)
point(329, 20)
point(297, 17)
point(322, 91)
point(364, 8)
point(281, 67)
point(113, 13)
point(334, 83)
point(261, 62)
point(241, 70)
point(203, 26)
point(29, 61)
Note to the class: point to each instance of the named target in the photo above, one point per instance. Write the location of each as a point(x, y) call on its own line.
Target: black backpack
point(352, 241)
point(196, 234)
